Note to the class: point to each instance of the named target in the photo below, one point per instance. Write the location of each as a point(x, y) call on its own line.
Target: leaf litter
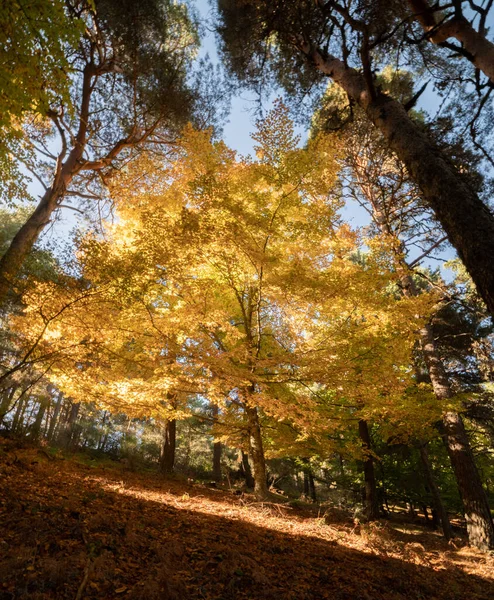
point(70, 530)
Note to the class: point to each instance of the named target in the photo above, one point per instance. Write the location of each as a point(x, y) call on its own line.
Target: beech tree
point(241, 270)
point(297, 45)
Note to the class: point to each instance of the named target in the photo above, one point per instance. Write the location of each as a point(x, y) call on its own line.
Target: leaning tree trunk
point(13, 258)
point(257, 453)
point(478, 518)
point(167, 460)
point(371, 503)
point(437, 502)
point(467, 221)
point(479, 49)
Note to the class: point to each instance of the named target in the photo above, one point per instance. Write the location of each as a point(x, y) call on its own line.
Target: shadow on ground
point(69, 531)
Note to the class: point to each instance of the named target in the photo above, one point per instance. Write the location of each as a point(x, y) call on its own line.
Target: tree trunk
point(477, 513)
point(480, 527)
point(246, 470)
point(54, 417)
point(437, 502)
point(21, 405)
point(167, 460)
point(217, 450)
point(36, 426)
point(467, 221)
point(7, 396)
point(23, 241)
point(371, 503)
point(257, 453)
point(309, 484)
point(479, 49)
point(66, 432)
point(312, 487)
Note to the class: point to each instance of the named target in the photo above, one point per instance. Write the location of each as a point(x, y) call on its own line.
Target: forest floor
point(74, 530)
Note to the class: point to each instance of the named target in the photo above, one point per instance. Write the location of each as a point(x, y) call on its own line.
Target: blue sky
point(236, 132)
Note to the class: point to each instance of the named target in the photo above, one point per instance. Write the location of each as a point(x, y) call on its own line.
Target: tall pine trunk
point(478, 518)
point(167, 459)
point(467, 221)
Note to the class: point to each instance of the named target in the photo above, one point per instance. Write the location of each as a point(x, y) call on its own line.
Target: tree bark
point(257, 453)
point(7, 396)
point(437, 502)
point(217, 450)
point(467, 221)
point(18, 413)
point(167, 460)
point(477, 513)
point(67, 429)
point(306, 483)
point(21, 245)
point(54, 417)
point(36, 426)
point(246, 470)
point(309, 483)
point(371, 503)
point(312, 487)
point(478, 518)
point(478, 48)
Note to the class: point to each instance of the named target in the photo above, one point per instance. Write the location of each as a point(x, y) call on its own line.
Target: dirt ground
point(71, 530)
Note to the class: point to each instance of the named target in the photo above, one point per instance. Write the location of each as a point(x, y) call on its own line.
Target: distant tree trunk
point(371, 503)
point(6, 402)
point(257, 453)
point(67, 429)
point(309, 484)
point(167, 460)
point(437, 503)
point(217, 449)
point(426, 513)
point(19, 414)
point(480, 527)
point(103, 437)
point(36, 426)
point(341, 465)
point(246, 470)
point(312, 487)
